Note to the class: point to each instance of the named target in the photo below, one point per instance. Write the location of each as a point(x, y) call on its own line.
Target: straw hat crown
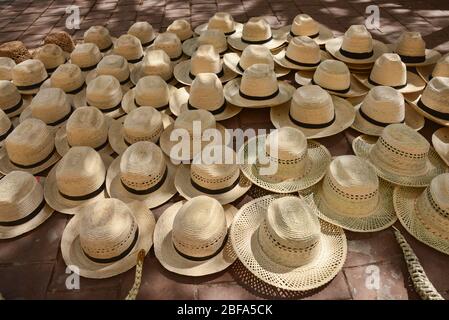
point(256, 54)
point(190, 118)
point(50, 105)
point(129, 47)
point(411, 44)
point(157, 62)
point(67, 77)
point(170, 43)
point(9, 95)
point(221, 21)
point(214, 37)
point(256, 29)
point(5, 125)
point(86, 55)
point(312, 105)
point(142, 124)
point(6, 66)
point(357, 39)
point(389, 70)
point(303, 49)
point(436, 94)
point(182, 28)
point(104, 92)
point(99, 36)
point(259, 80)
point(442, 67)
point(29, 72)
point(51, 55)
point(384, 104)
point(304, 25)
point(204, 60)
point(332, 75)
point(143, 31)
point(114, 65)
point(206, 92)
point(152, 91)
point(87, 126)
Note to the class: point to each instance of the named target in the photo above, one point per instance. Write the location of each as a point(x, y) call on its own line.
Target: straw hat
point(258, 88)
point(298, 163)
point(170, 43)
point(182, 28)
point(253, 54)
point(15, 50)
point(411, 47)
point(22, 204)
point(105, 238)
point(204, 60)
point(191, 237)
point(305, 25)
point(440, 141)
point(424, 213)
point(256, 31)
point(282, 242)
point(62, 39)
point(11, 101)
point(401, 156)
point(142, 173)
point(99, 36)
point(30, 147)
point(28, 76)
point(440, 69)
point(129, 47)
point(356, 46)
point(205, 93)
point(6, 127)
point(141, 124)
point(6, 66)
point(334, 77)
point(51, 56)
point(315, 112)
point(155, 63)
point(144, 32)
point(381, 107)
point(116, 66)
point(150, 91)
point(69, 78)
point(86, 56)
point(212, 37)
point(221, 21)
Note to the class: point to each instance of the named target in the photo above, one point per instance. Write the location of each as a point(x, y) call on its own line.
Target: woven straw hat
point(411, 47)
point(141, 124)
point(69, 78)
point(253, 54)
point(424, 212)
point(116, 66)
point(440, 141)
point(99, 36)
point(129, 47)
point(170, 43)
point(356, 46)
point(315, 112)
point(142, 173)
point(6, 126)
point(182, 28)
point(256, 31)
point(212, 37)
point(15, 50)
point(305, 25)
point(62, 39)
point(6, 66)
point(144, 32)
point(205, 93)
point(155, 63)
point(11, 101)
point(105, 238)
point(401, 156)
point(381, 107)
point(30, 147)
point(221, 21)
point(86, 56)
point(22, 204)
point(191, 237)
point(299, 163)
point(334, 77)
point(78, 179)
point(441, 69)
point(29, 75)
point(51, 56)
point(204, 60)
point(258, 88)
point(282, 242)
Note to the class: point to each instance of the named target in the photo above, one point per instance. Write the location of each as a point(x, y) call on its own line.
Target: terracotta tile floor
point(31, 266)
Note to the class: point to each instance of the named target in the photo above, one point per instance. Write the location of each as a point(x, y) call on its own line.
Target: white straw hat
point(28, 76)
point(411, 47)
point(305, 25)
point(6, 66)
point(69, 78)
point(205, 93)
point(221, 21)
point(296, 164)
point(99, 36)
point(116, 66)
point(401, 156)
point(212, 37)
point(22, 204)
point(440, 141)
point(129, 47)
point(11, 101)
point(155, 63)
point(106, 237)
point(6, 127)
point(182, 28)
point(86, 56)
point(144, 32)
point(440, 69)
point(51, 56)
point(142, 173)
point(282, 242)
point(170, 43)
point(425, 212)
point(191, 237)
point(258, 88)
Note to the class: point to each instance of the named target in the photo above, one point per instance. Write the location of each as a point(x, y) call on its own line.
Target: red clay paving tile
point(9, 36)
point(337, 289)
point(177, 13)
point(337, 144)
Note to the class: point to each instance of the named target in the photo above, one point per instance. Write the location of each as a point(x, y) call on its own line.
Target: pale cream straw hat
point(213, 37)
point(381, 107)
point(142, 173)
point(129, 47)
point(356, 46)
point(440, 69)
point(401, 156)
point(425, 212)
point(155, 63)
point(51, 56)
point(141, 124)
point(22, 204)
point(105, 238)
point(182, 28)
point(6, 66)
point(440, 141)
point(86, 56)
point(99, 36)
point(204, 60)
point(78, 179)
point(283, 161)
point(113, 65)
point(191, 237)
point(221, 21)
point(411, 47)
point(253, 54)
point(282, 242)
point(315, 112)
point(30, 147)
point(170, 43)
point(29, 75)
point(258, 88)
point(6, 127)
point(11, 101)
point(144, 32)
point(205, 93)
point(69, 78)
point(305, 25)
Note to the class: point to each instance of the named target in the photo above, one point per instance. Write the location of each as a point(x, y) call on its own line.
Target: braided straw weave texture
point(134, 291)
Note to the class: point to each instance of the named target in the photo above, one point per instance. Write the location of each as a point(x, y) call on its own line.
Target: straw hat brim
point(414, 82)
point(26, 101)
point(344, 117)
point(30, 91)
point(6, 166)
point(440, 141)
point(81, 101)
point(238, 27)
point(362, 146)
point(278, 40)
point(27, 113)
point(129, 104)
point(321, 270)
point(178, 105)
point(325, 34)
point(283, 62)
point(415, 106)
point(47, 84)
point(333, 47)
point(360, 68)
point(426, 72)
point(190, 45)
point(174, 262)
point(125, 87)
point(318, 158)
point(137, 73)
point(182, 73)
point(73, 254)
point(432, 57)
point(232, 59)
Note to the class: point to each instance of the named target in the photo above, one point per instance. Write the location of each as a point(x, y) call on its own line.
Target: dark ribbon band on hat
point(214, 112)
point(178, 57)
point(313, 36)
point(333, 90)
point(161, 108)
point(107, 48)
point(51, 70)
point(271, 96)
point(147, 44)
point(132, 61)
point(14, 108)
point(438, 114)
point(3, 136)
point(219, 74)
point(109, 109)
point(33, 86)
point(357, 55)
point(34, 165)
point(229, 33)
point(24, 219)
point(258, 41)
point(311, 125)
point(410, 59)
point(218, 191)
point(85, 197)
point(225, 241)
point(90, 68)
point(240, 67)
point(77, 90)
point(125, 81)
point(374, 83)
point(96, 148)
point(375, 122)
point(65, 118)
point(302, 64)
point(149, 190)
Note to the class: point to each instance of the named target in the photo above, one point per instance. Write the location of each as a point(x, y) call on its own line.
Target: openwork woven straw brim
point(129, 99)
point(440, 141)
point(435, 166)
point(322, 269)
point(182, 72)
point(281, 60)
point(174, 262)
point(414, 82)
point(6, 166)
point(333, 47)
point(232, 59)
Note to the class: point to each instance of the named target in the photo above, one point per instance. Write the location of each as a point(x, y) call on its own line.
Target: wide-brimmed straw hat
point(221, 21)
point(171, 44)
point(99, 36)
point(22, 204)
point(381, 107)
point(284, 161)
point(282, 242)
point(29, 147)
point(116, 66)
point(304, 25)
point(440, 69)
point(129, 47)
point(411, 47)
point(440, 141)
point(182, 28)
point(401, 156)
point(205, 93)
point(6, 127)
point(253, 54)
point(424, 212)
point(28, 76)
point(106, 237)
point(204, 60)
point(356, 46)
point(155, 63)
point(213, 37)
point(142, 173)
point(191, 237)
point(51, 56)
point(144, 32)
point(86, 56)
point(258, 88)
point(11, 101)
point(315, 112)
point(6, 66)
point(69, 78)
